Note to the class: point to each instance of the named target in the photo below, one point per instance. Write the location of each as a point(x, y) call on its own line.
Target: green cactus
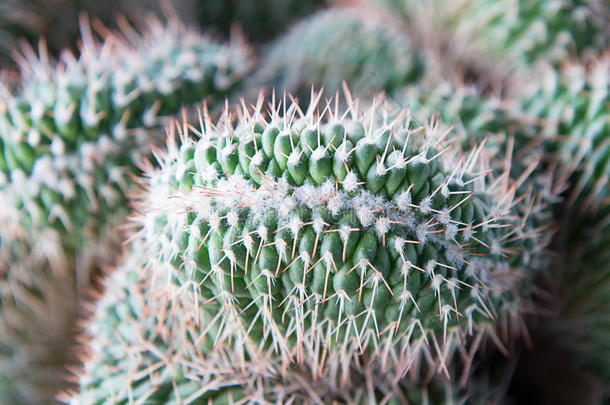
point(145, 343)
point(572, 109)
point(487, 40)
point(339, 45)
point(73, 133)
point(71, 138)
point(323, 237)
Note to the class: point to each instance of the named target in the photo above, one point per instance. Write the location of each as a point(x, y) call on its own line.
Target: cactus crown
point(319, 234)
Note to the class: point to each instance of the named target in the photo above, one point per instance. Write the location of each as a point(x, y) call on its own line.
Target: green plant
point(72, 135)
point(341, 238)
point(571, 107)
point(339, 45)
point(489, 40)
point(145, 343)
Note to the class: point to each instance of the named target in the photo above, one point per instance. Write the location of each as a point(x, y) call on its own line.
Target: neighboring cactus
point(572, 110)
point(489, 39)
point(71, 139)
point(321, 236)
point(74, 132)
point(339, 45)
point(260, 20)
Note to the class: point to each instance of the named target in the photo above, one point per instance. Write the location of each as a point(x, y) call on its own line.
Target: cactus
point(572, 109)
point(74, 132)
point(490, 39)
point(323, 237)
point(341, 44)
point(144, 344)
point(71, 137)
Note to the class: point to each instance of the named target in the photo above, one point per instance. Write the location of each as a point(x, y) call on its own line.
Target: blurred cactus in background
point(72, 137)
point(438, 237)
point(365, 50)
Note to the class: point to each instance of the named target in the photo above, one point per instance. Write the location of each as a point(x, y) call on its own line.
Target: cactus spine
point(146, 343)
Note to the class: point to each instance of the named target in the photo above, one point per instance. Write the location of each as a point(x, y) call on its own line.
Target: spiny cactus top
point(341, 44)
point(319, 234)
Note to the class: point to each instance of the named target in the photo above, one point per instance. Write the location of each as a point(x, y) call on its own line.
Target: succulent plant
point(73, 132)
point(487, 40)
point(339, 45)
point(572, 110)
point(571, 107)
point(341, 238)
point(144, 343)
point(71, 138)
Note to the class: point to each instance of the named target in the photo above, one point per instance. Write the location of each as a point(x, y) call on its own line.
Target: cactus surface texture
point(341, 238)
point(339, 45)
point(146, 343)
point(430, 226)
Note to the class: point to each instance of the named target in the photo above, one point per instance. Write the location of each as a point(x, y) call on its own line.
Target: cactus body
point(326, 237)
point(74, 132)
point(572, 107)
point(573, 112)
point(145, 343)
point(339, 45)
